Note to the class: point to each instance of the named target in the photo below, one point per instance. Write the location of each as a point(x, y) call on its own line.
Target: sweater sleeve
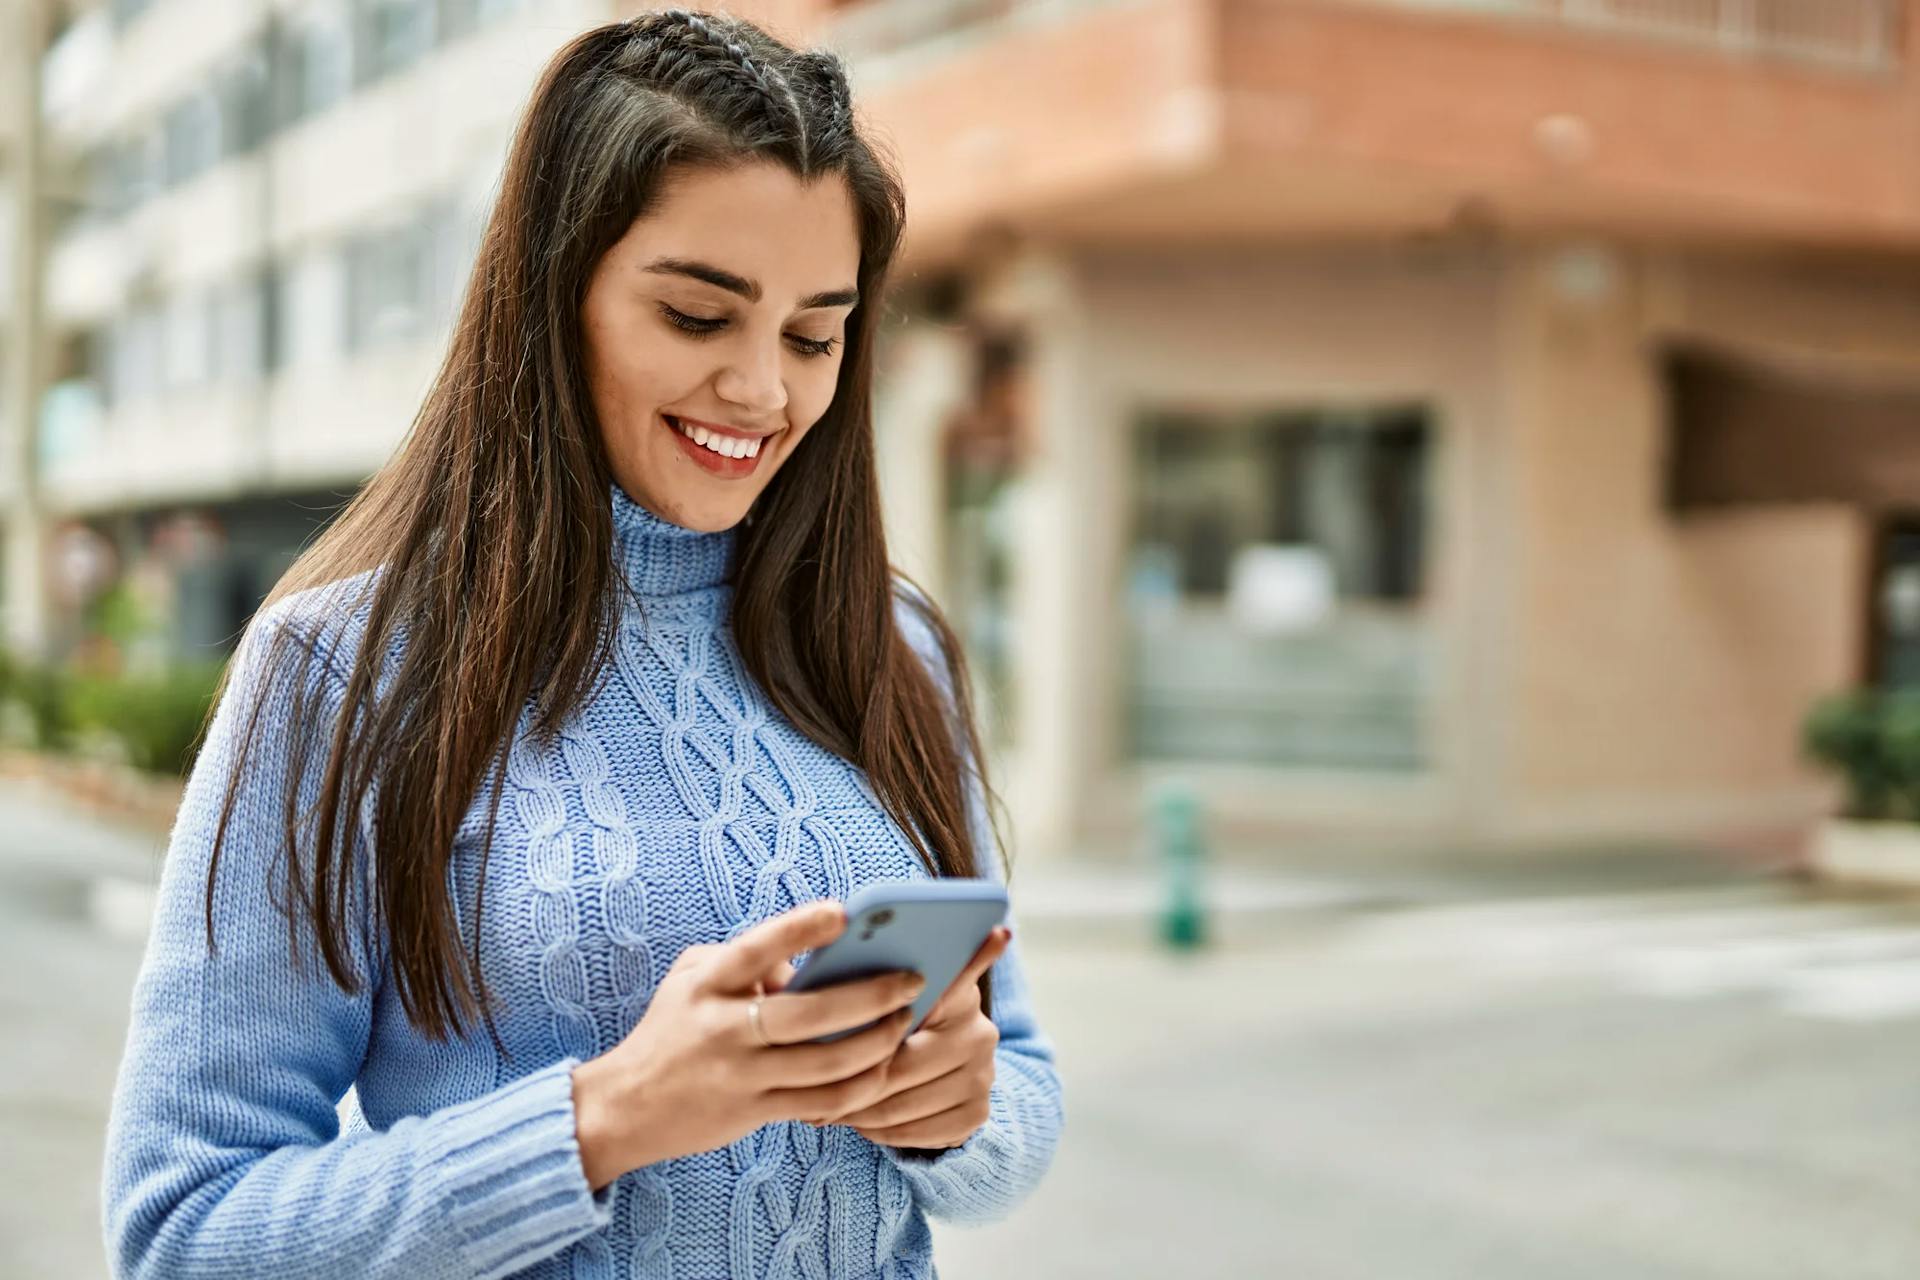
point(224, 1151)
point(991, 1173)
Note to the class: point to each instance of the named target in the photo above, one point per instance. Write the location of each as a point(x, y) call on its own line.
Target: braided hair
point(724, 66)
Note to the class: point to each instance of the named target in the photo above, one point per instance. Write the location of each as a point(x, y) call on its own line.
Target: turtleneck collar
point(661, 558)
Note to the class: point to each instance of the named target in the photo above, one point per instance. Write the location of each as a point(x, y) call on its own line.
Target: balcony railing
point(873, 30)
point(1860, 34)
point(1851, 33)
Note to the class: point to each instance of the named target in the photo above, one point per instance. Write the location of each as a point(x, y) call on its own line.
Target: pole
point(1176, 821)
point(26, 602)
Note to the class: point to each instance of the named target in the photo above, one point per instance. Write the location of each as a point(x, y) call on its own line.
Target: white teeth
point(726, 446)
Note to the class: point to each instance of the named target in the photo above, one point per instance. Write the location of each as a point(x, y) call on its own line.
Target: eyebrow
point(748, 289)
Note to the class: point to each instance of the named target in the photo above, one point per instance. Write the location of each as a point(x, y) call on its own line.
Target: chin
point(712, 518)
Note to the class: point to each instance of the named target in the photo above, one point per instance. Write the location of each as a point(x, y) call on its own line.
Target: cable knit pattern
point(265, 1123)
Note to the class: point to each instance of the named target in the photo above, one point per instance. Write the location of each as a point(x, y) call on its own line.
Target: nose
point(755, 382)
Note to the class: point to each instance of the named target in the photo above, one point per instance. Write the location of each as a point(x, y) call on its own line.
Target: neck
point(661, 558)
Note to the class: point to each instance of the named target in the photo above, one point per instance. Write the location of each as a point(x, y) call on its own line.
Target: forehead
point(757, 220)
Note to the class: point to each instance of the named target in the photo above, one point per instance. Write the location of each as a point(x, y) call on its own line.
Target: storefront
point(1397, 542)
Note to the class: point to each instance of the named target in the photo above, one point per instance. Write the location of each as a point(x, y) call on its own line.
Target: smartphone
point(932, 927)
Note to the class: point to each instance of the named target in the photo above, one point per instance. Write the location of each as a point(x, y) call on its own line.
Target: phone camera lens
point(879, 917)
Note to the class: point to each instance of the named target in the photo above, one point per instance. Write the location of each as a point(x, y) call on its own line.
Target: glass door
point(1895, 625)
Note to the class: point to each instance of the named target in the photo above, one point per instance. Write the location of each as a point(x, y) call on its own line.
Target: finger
point(803, 1066)
point(948, 1129)
point(960, 999)
point(913, 1103)
point(795, 1016)
point(831, 1096)
point(926, 1055)
point(780, 977)
point(757, 952)
point(991, 950)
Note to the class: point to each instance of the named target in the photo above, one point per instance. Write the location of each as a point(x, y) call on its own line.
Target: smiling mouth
point(717, 442)
point(729, 457)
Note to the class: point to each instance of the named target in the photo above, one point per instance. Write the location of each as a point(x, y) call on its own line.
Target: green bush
point(1872, 740)
point(153, 722)
point(40, 694)
point(156, 719)
point(1900, 744)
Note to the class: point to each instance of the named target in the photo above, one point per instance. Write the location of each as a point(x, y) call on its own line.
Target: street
point(1675, 1082)
point(1445, 1093)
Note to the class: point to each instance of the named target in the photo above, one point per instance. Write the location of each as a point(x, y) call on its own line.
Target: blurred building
point(1473, 420)
point(1446, 419)
point(277, 204)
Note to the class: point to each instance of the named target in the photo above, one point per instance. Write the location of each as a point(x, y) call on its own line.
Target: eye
point(704, 326)
point(692, 324)
point(814, 346)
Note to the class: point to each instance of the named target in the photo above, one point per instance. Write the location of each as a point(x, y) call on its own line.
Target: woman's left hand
point(938, 1078)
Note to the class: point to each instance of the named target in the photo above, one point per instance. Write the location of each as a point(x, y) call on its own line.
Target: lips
point(719, 464)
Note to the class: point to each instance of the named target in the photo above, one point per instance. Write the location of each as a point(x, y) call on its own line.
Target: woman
point(579, 722)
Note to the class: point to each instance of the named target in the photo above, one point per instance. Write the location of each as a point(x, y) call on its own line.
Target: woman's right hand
point(692, 1076)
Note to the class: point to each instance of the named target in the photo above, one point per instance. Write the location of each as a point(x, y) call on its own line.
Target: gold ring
point(753, 1015)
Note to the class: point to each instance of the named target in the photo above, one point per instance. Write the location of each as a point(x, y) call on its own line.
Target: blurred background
point(1431, 490)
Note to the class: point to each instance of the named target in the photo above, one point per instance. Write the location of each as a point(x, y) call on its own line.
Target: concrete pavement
point(1623, 1068)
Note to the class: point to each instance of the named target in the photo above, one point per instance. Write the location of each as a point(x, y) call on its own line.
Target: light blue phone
point(932, 927)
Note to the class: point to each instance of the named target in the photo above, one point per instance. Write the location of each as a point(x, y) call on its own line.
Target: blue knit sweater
point(266, 1124)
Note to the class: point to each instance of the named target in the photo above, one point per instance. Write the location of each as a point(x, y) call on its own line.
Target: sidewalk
point(87, 862)
point(77, 862)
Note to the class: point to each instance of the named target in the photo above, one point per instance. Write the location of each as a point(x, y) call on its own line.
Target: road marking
point(1855, 993)
point(1855, 961)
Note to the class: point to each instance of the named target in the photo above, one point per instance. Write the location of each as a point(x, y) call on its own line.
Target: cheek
point(635, 371)
point(805, 418)
point(812, 395)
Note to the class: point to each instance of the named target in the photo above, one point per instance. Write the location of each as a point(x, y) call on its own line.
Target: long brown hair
point(487, 540)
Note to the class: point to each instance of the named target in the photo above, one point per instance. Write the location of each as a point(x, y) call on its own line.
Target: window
point(135, 354)
point(392, 34)
point(456, 18)
point(143, 164)
point(310, 299)
point(189, 339)
point(245, 113)
point(316, 61)
point(453, 230)
point(240, 329)
point(1274, 588)
point(1893, 632)
point(388, 276)
point(125, 11)
point(95, 358)
point(103, 178)
point(192, 130)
